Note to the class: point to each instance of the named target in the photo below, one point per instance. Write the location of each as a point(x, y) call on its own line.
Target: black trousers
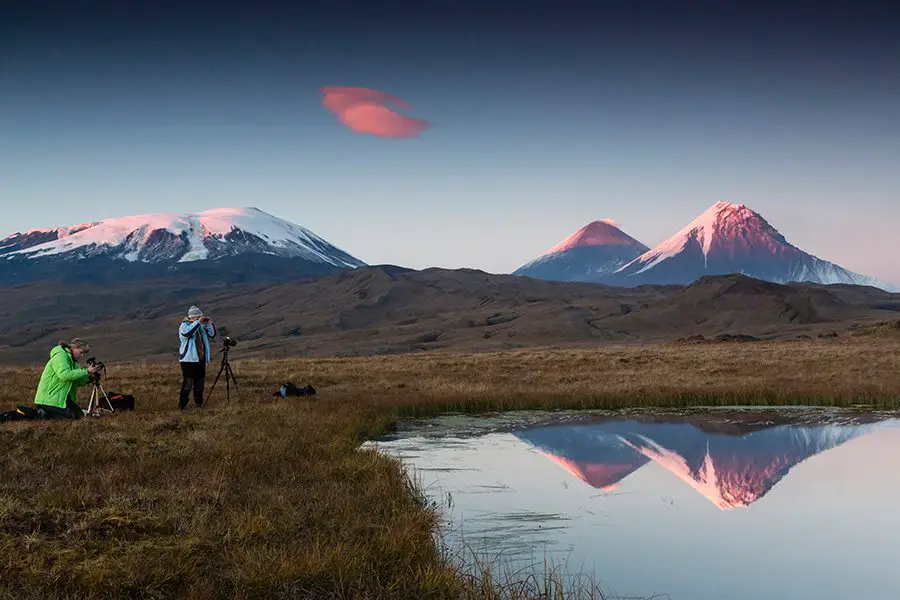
point(194, 377)
point(71, 411)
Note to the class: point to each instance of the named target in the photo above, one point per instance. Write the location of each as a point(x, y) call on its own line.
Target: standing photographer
point(194, 333)
point(57, 392)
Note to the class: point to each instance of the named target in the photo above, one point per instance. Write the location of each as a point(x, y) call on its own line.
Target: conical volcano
point(597, 249)
point(727, 239)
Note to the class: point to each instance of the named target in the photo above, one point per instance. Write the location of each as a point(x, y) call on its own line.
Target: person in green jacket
point(56, 395)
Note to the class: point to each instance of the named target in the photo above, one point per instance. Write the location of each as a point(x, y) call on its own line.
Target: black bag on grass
point(121, 402)
point(289, 389)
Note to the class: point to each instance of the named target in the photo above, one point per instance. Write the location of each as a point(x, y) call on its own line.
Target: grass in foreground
point(266, 498)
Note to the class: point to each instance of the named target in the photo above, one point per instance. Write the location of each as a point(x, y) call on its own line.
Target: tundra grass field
point(270, 498)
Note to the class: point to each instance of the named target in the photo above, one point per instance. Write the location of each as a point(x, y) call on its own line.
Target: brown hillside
point(377, 310)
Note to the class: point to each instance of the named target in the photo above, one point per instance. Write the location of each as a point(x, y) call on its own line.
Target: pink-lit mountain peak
point(604, 232)
point(732, 238)
point(597, 248)
point(721, 224)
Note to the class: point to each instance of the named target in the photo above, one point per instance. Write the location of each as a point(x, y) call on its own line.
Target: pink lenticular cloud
point(363, 110)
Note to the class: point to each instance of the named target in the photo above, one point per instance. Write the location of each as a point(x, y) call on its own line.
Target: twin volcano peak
point(726, 238)
point(604, 232)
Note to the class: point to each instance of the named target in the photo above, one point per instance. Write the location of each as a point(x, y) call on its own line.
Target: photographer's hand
point(93, 369)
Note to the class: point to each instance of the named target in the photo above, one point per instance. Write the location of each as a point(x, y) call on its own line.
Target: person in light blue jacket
point(194, 333)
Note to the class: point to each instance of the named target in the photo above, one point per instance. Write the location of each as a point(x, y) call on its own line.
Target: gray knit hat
point(195, 313)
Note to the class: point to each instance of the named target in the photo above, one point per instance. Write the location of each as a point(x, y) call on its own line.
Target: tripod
point(97, 394)
point(226, 366)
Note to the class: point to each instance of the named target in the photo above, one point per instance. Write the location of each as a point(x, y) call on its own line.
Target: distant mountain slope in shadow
point(389, 310)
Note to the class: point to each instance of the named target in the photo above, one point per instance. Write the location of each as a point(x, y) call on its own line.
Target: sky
point(494, 130)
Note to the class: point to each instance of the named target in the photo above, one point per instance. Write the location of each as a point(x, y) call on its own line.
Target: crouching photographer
point(57, 392)
point(195, 333)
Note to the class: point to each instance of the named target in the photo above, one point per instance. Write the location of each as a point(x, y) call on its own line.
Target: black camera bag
point(121, 402)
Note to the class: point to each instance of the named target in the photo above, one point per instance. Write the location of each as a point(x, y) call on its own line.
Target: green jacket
point(60, 379)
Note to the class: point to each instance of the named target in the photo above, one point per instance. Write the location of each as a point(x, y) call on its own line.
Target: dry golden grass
point(270, 498)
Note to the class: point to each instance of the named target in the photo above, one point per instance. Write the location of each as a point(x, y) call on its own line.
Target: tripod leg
point(105, 397)
point(216, 380)
point(229, 377)
point(234, 380)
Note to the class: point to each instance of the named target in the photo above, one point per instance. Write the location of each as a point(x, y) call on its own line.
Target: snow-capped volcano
point(731, 238)
point(596, 249)
point(166, 238)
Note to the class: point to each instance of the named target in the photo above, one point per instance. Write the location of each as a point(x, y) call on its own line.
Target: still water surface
point(738, 504)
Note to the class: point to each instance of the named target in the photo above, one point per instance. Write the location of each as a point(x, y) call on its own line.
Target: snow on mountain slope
point(597, 248)
point(170, 238)
point(731, 238)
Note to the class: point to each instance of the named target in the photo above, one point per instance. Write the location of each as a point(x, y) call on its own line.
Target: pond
point(732, 503)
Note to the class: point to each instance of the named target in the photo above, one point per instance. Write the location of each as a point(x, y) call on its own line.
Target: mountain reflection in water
point(738, 504)
point(731, 470)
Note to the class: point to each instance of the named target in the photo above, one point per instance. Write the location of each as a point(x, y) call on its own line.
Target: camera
point(100, 366)
point(229, 343)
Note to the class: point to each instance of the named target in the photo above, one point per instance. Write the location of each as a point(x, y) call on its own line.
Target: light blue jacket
point(188, 333)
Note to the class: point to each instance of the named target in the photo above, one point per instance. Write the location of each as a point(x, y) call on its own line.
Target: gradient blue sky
point(545, 115)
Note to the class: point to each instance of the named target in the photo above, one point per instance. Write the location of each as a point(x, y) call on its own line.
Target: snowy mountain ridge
point(178, 238)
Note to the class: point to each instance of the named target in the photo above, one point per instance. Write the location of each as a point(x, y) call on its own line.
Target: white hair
point(79, 343)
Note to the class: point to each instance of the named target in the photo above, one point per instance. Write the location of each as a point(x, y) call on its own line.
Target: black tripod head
point(227, 345)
